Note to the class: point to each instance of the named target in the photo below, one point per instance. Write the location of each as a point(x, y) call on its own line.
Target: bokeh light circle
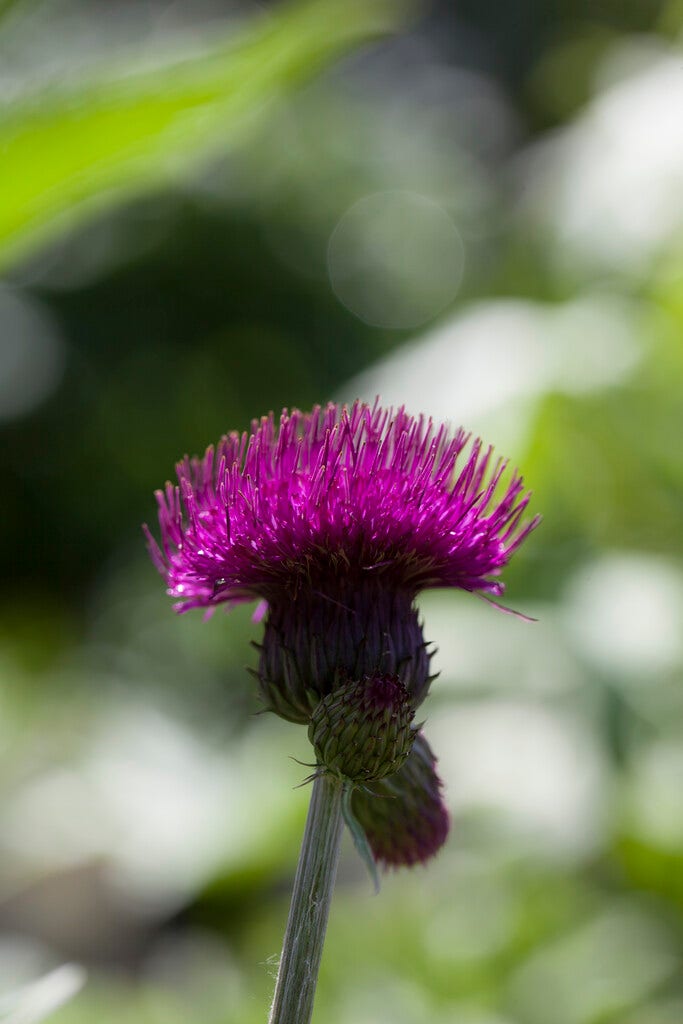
point(395, 259)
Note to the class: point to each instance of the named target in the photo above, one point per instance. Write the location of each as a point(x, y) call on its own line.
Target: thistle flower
point(337, 519)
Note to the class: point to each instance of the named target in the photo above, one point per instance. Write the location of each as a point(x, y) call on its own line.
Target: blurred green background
point(210, 209)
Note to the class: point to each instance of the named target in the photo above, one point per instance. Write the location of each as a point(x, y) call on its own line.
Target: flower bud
point(362, 731)
point(404, 817)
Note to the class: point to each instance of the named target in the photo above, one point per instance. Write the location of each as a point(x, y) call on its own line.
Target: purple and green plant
point(335, 521)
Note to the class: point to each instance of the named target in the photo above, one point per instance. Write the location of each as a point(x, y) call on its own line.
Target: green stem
point(305, 933)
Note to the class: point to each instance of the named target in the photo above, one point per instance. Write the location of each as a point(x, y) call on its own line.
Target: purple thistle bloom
point(358, 493)
point(337, 520)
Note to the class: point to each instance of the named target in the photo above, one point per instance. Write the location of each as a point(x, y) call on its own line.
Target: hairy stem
point(305, 933)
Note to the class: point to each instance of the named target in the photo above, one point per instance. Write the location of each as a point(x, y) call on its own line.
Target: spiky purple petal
point(356, 492)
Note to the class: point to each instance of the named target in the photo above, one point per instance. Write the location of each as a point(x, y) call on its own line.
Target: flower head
point(334, 495)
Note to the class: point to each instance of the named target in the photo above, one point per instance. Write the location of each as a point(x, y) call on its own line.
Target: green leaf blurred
point(67, 148)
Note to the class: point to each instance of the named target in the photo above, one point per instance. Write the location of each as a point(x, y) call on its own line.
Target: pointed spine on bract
point(363, 730)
